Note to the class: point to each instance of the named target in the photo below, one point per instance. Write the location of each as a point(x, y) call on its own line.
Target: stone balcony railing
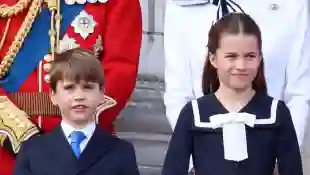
point(144, 124)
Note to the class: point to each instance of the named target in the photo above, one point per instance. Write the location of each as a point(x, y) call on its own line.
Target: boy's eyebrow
point(80, 82)
point(248, 53)
point(68, 84)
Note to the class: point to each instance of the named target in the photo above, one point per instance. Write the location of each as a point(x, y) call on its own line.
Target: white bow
point(234, 135)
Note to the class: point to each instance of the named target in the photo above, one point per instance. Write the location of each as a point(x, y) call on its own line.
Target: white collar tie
point(234, 134)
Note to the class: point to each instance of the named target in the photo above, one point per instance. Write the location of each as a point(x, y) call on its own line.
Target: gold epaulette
point(107, 103)
point(14, 124)
point(2, 139)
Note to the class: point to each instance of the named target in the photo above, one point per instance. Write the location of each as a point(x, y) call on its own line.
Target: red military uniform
point(113, 27)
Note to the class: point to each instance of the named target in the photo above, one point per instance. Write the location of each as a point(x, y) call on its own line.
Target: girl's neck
point(234, 97)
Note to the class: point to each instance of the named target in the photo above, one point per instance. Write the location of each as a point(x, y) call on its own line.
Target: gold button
point(274, 6)
point(48, 58)
point(47, 78)
point(47, 67)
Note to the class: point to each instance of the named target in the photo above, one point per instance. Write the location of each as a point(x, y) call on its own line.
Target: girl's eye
point(250, 57)
point(231, 57)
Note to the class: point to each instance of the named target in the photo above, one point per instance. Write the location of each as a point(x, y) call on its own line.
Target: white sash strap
point(191, 2)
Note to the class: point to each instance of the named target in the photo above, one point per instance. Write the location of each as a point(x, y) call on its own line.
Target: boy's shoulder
point(108, 142)
point(33, 143)
point(114, 141)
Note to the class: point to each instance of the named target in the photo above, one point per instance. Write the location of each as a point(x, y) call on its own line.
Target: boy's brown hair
point(77, 65)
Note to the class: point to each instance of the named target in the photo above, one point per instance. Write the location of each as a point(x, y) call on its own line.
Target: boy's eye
point(88, 86)
point(69, 87)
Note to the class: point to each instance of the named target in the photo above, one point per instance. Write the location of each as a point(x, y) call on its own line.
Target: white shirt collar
point(68, 129)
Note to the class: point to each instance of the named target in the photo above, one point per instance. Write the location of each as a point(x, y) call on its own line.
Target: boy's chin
point(81, 123)
point(81, 115)
point(82, 119)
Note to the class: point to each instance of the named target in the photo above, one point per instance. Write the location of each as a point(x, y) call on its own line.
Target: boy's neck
point(78, 125)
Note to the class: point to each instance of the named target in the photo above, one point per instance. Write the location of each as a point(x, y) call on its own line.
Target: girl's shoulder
point(265, 108)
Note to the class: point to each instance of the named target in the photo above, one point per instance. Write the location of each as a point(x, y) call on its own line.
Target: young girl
point(235, 128)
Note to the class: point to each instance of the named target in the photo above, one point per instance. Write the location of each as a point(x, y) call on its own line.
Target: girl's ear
point(260, 58)
point(212, 59)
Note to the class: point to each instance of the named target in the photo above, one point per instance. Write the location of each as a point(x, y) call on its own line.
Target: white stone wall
point(152, 51)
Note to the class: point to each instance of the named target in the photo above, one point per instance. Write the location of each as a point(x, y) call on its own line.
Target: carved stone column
point(143, 122)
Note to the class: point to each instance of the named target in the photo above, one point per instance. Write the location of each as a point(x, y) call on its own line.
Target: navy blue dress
point(272, 139)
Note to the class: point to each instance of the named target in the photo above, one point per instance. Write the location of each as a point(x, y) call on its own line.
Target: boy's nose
point(79, 95)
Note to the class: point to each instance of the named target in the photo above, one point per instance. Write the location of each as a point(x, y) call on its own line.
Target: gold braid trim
point(15, 123)
point(2, 139)
point(9, 11)
point(8, 60)
point(54, 7)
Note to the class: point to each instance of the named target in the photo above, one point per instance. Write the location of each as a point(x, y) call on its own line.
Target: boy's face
point(77, 101)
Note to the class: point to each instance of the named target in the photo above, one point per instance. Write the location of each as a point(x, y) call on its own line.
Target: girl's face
point(237, 60)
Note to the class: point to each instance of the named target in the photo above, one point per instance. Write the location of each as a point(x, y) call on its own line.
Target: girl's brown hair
point(233, 23)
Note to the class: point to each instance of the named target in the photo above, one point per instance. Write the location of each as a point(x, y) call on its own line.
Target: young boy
point(77, 145)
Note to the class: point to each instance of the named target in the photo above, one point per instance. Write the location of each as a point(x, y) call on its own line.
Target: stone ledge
point(150, 148)
point(145, 113)
point(144, 136)
point(150, 170)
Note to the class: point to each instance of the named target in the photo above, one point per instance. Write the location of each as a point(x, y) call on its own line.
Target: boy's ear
point(53, 97)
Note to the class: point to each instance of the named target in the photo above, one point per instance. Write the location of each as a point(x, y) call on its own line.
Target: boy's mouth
point(79, 107)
